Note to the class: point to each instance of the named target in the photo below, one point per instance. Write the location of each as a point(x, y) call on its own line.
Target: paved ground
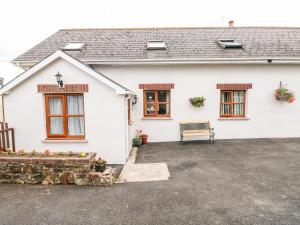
point(232, 182)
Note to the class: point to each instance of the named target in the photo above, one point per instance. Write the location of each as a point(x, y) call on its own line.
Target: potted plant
point(143, 137)
point(197, 101)
point(137, 140)
point(100, 165)
point(284, 95)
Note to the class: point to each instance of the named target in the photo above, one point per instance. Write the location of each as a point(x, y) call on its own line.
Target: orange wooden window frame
point(157, 103)
point(64, 115)
point(231, 103)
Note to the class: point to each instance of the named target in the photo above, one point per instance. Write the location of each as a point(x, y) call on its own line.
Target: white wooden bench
point(196, 128)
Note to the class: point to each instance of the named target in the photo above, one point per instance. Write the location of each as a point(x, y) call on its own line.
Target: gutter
point(197, 61)
point(265, 60)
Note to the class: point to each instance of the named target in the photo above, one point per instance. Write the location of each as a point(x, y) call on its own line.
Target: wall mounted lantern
point(59, 80)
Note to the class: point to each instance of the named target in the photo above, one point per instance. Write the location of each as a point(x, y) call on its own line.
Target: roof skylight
point(156, 45)
point(74, 46)
point(229, 43)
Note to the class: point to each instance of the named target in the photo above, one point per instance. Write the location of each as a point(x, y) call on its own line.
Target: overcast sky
point(25, 23)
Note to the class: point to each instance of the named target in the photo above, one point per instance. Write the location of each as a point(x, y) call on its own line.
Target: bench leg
point(181, 139)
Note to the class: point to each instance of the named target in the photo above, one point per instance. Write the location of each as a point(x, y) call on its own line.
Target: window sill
point(64, 141)
point(234, 118)
point(157, 118)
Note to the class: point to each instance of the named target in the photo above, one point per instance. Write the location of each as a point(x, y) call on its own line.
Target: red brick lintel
point(234, 86)
point(68, 88)
point(166, 86)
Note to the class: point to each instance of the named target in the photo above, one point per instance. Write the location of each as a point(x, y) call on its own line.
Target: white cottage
point(110, 82)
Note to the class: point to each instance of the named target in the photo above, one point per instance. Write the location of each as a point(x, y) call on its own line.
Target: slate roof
point(182, 43)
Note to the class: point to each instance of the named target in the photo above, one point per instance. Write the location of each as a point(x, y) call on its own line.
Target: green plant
point(9, 152)
point(197, 101)
point(100, 161)
point(137, 141)
point(33, 152)
point(100, 165)
point(284, 95)
point(20, 152)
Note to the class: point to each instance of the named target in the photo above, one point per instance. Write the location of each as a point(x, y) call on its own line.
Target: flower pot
point(100, 167)
point(144, 138)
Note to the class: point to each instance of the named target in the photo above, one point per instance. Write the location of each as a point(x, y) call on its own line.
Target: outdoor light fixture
point(59, 80)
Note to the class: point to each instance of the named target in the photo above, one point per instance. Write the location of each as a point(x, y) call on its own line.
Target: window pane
point(163, 109)
point(150, 96)
point(238, 109)
point(150, 108)
point(225, 109)
point(55, 106)
point(75, 104)
point(56, 125)
point(75, 126)
point(225, 97)
point(163, 96)
point(238, 96)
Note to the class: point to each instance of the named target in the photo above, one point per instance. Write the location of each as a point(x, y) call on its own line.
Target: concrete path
point(143, 172)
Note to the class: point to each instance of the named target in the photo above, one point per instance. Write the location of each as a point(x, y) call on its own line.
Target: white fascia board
point(60, 54)
point(264, 60)
point(196, 61)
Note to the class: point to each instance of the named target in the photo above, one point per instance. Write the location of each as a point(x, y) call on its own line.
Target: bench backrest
point(201, 125)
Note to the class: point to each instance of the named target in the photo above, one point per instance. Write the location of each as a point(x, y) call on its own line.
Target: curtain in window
point(225, 98)
point(56, 123)
point(76, 126)
point(75, 107)
point(55, 106)
point(238, 97)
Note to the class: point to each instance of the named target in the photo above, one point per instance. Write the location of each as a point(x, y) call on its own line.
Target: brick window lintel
point(68, 88)
point(165, 86)
point(239, 86)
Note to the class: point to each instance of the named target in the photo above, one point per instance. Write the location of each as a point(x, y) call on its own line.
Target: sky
point(26, 23)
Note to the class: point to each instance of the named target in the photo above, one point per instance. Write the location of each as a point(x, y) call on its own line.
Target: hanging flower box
point(197, 101)
point(284, 95)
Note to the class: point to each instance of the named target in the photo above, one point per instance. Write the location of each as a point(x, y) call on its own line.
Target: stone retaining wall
point(54, 170)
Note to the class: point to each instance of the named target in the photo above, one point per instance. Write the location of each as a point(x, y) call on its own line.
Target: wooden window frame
point(231, 103)
point(156, 104)
point(65, 117)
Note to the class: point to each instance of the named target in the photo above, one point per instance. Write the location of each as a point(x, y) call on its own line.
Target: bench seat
point(196, 128)
point(189, 133)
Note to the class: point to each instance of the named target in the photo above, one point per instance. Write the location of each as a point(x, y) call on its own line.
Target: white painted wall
point(105, 119)
point(267, 117)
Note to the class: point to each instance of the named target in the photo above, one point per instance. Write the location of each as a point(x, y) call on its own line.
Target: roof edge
point(187, 27)
point(273, 60)
point(119, 89)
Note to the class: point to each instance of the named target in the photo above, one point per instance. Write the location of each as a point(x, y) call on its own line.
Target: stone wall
point(54, 170)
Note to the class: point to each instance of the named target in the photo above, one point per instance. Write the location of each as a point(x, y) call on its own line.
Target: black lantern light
point(59, 80)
